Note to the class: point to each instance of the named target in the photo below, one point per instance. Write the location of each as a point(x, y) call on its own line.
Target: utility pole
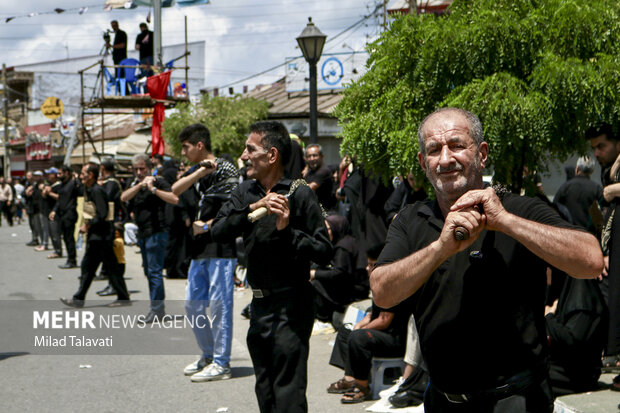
point(5, 99)
point(157, 32)
point(385, 2)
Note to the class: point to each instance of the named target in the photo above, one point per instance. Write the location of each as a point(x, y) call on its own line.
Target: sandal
point(611, 363)
point(341, 386)
point(54, 255)
point(357, 395)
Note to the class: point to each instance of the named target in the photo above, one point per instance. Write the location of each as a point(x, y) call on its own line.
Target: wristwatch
point(153, 190)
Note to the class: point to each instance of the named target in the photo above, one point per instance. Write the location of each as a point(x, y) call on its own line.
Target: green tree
point(538, 73)
point(228, 120)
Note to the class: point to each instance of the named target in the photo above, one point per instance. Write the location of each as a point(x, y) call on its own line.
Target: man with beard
point(478, 296)
point(606, 147)
point(318, 176)
point(65, 213)
point(279, 248)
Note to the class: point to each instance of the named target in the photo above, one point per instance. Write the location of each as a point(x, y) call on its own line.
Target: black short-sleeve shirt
point(148, 209)
point(119, 54)
point(323, 177)
point(480, 315)
point(145, 40)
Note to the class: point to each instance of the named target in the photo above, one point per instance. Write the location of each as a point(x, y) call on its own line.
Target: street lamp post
point(311, 42)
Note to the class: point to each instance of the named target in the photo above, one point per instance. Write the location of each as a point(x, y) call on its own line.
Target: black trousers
point(535, 399)
point(6, 210)
point(354, 350)
point(35, 227)
point(67, 229)
point(176, 260)
point(32, 227)
point(96, 253)
point(278, 341)
point(55, 236)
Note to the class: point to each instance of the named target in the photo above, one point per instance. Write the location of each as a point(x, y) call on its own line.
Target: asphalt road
point(145, 378)
point(120, 383)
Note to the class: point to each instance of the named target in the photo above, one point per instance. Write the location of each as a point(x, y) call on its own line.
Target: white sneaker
point(196, 366)
point(211, 373)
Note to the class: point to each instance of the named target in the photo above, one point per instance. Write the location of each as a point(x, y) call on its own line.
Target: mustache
point(455, 167)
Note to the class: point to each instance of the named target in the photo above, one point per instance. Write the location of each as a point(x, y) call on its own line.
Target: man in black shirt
point(279, 248)
point(50, 193)
point(580, 193)
point(144, 44)
point(30, 209)
point(318, 176)
point(113, 189)
point(480, 299)
point(65, 213)
point(99, 236)
point(34, 200)
point(119, 47)
point(606, 148)
point(148, 195)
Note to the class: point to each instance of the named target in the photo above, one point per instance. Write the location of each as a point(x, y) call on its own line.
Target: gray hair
point(314, 145)
point(586, 165)
point(141, 157)
point(475, 126)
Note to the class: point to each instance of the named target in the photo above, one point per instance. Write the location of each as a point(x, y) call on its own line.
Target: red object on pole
point(158, 86)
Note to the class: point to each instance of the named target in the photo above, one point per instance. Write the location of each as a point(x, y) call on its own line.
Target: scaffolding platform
point(131, 102)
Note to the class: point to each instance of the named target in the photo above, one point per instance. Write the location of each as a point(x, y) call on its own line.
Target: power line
point(328, 41)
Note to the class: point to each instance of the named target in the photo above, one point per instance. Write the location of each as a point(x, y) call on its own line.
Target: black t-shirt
point(276, 259)
point(148, 209)
point(145, 40)
point(39, 203)
point(483, 306)
point(67, 197)
point(398, 326)
point(323, 177)
point(51, 202)
point(119, 54)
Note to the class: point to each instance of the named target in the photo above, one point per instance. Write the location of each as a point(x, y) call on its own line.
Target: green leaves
point(537, 72)
point(228, 120)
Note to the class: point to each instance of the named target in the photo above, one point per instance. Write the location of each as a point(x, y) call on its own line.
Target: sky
point(243, 37)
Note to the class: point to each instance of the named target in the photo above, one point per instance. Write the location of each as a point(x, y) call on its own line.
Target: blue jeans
point(210, 283)
point(153, 249)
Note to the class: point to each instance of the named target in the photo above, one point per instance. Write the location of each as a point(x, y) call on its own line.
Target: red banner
point(158, 86)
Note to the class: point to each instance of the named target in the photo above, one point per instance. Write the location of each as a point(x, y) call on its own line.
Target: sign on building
point(52, 107)
point(334, 71)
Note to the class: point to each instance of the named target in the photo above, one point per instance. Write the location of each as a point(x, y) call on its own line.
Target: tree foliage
point(538, 73)
point(228, 120)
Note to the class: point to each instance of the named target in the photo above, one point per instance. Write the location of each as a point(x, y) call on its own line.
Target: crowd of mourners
point(184, 215)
